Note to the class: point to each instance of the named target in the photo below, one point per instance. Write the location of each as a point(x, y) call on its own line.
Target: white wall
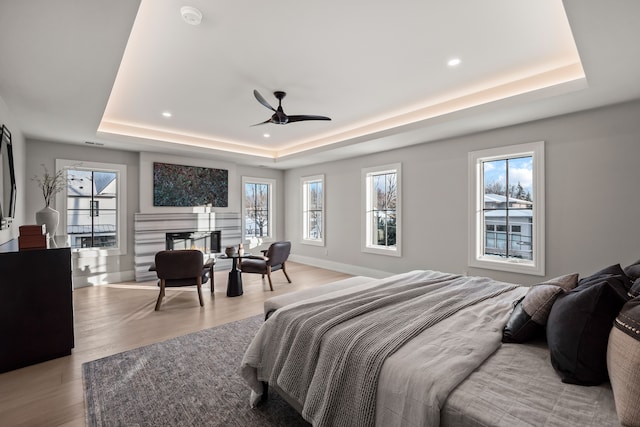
point(139, 195)
point(236, 172)
point(592, 202)
point(86, 270)
point(19, 159)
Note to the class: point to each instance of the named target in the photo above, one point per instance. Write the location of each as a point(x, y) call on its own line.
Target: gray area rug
point(190, 380)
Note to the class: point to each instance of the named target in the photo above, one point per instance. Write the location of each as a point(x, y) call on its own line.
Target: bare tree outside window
point(386, 193)
point(256, 210)
point(313, 200)
point(382, 225)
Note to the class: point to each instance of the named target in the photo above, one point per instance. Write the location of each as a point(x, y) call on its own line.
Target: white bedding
point(414, 381)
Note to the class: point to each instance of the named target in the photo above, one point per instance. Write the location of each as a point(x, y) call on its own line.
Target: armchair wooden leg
point(161, 295)
point(269, 277)
point(284, 270)
point(199, 285)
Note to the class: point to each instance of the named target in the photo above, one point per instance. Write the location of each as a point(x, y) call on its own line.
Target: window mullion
point(93, 242)
point(507, 212)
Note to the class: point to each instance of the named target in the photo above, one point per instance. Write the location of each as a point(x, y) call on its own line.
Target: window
point(381, 229)
point(94, 207)
point(257, 208)
point(313, 210)
point(507, 208)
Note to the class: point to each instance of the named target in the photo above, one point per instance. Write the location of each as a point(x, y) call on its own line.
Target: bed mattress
point(345, 286)
point(515, 386)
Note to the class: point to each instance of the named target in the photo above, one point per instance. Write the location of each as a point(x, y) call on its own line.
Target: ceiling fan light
point(191, 15)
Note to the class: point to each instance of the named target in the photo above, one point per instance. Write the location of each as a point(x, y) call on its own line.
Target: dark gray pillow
point(520, 328)
point(579, 325)
point(612, 270)
point(633, 270)
point(635, 289)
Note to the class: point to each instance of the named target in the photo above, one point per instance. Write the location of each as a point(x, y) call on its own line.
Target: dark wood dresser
point(36, 307)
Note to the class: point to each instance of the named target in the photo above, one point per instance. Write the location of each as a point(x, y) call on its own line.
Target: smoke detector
point(191, 15)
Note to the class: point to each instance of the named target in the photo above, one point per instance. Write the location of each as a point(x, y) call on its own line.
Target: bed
point(449, 368)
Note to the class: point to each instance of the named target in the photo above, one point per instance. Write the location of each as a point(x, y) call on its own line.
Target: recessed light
point(266, 135)
point(167, 114)
point(454, 62)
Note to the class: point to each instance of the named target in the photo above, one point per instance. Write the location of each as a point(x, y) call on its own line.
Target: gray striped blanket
point(326, 354)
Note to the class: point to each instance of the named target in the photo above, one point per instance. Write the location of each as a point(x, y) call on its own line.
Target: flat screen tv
point(180, 185)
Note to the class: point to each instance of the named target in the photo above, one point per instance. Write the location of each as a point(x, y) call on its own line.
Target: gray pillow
point(530, 314)
point(540, 298)
point(623, 363)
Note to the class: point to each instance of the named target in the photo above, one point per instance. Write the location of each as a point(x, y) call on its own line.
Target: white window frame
point(476, 193)
point(271, 229)
point(304, 184)
point(367, 201)
point(121, 202)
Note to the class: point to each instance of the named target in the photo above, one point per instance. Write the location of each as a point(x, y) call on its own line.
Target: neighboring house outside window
point(382, 222)
point(313, 210)
point(507, 208)
point(257, 207)
point(93, 211)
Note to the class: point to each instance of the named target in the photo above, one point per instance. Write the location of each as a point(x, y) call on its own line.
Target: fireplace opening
point(205, 241)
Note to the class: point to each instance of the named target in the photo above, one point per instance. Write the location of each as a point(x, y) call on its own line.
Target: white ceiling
point(104, 71)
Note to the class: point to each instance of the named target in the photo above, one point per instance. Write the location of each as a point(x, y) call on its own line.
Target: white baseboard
point(337, 266)
point(129, 276)
point(103, 278)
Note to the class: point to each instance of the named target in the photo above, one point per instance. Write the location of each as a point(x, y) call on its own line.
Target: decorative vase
point(50, 218)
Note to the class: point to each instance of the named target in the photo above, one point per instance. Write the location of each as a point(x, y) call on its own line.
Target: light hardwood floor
point(113, 318)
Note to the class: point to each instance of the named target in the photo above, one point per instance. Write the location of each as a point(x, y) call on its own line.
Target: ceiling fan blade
point(262, 101)
point(263, 123)
point(280, 118)
point(306, 117)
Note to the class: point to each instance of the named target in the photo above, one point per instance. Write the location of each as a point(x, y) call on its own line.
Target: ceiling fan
point(279, 117)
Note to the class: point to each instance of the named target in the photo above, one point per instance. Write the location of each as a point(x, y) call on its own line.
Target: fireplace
point(206, 241)
point(151, 235)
